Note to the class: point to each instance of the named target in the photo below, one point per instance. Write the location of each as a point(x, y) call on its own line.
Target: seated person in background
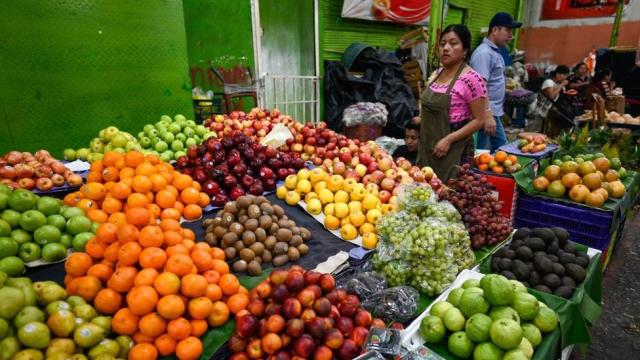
point(409, 150)
point(602, 81)
point(560, 114)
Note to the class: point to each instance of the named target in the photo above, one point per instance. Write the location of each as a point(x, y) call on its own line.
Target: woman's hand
point(490, 126)
point(442, 148)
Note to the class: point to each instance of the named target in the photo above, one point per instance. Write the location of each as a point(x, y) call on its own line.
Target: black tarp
point(383, 81)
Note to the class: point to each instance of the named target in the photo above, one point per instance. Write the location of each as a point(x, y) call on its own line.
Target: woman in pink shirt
point(454, 106)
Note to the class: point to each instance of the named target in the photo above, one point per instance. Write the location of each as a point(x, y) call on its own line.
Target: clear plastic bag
point(391, 227)
point(365, 113)
point(364, 284)
point(393, 304)
point(416, 197)
point(388, 143)
point(442, 210)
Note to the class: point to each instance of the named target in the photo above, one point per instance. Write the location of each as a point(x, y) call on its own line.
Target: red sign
point(399, 11)
point(578, 9)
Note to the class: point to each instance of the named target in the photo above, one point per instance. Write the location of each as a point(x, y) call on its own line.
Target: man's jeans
point(492, 143)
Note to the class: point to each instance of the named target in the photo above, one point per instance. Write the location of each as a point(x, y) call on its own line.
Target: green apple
point(191, 123)
point(190, 142)
point(178, 154)
point(161, 146)
point(47, 234)
point(145, 142)
point(30, 220)
point(66, 240)
point(119, 140)
point(208, 135)
point(12, 217)
point(57, 220)
point(177, 145)
point(166, 118)
point(174, 128)
point(110, 133)
point(80, 240)
point(82, 153)
point(97, 147)
point(54, 252)
point(153, 133)
point(167, 136)
point(119, 150)
point(201, 130)
point(8, 247)
point(166, 156)
point(13, 265)
point(69, 154)
point(179, 117)
point(21, 236)
point(181, 137)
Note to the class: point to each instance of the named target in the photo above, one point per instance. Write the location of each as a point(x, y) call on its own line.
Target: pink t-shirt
point(469, 87)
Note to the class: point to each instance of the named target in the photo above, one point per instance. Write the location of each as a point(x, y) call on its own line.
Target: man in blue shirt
point(488, 62)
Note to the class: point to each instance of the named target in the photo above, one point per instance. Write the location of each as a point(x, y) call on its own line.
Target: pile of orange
point(161, 287)
point(498, 163)
point(137, 189)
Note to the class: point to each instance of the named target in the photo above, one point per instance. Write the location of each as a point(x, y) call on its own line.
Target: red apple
point(387, 184)
point(246, 326)
point(384, 196)
point(378, 323)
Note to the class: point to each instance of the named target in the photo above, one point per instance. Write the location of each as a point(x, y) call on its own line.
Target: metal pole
point(616, 24)
point(435, 26)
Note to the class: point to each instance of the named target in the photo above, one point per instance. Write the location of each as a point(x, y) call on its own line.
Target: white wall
point(533, 12)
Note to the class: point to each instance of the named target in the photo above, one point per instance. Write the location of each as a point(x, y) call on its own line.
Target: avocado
point(543, 265)
point(564, 291)
point(524, 253)
point(545, 234)
point(522, 233)
point(510, 254)
point(506, 264)
point(570, 248)
point(535, 243)
point(542, 288)
point(566, 258)
point(508, 274)
point(495, 263)
point(539, 253)
point(553, 247)
point(561, 234)
point(582, 259)
point(530, 266)
point(576, 272)
point(515, 244)
point(534, 278)
point(551, 280)
point(568, 281)
point(558, 269)
point(553, 258)
point(520, 270)
point(500, 252)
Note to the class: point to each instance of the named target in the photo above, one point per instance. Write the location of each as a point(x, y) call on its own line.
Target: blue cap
point(504, 19)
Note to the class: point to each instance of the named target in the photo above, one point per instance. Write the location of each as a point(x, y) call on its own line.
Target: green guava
point(440, 308)
point(487, 351)
point(532, 333)
point(526, 305)
point(477, 327)
point(460, 345)
point(432, 329)
point(504, 312)
point(472, 302)
point(506, 333)
point(497, 289)
point(546, 320)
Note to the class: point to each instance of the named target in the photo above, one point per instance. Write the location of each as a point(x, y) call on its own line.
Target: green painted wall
point(219, 34)
point(479, 14)
point(71, 68)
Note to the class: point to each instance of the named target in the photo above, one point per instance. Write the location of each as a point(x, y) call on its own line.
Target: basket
point(615, 103)
point(363, 132)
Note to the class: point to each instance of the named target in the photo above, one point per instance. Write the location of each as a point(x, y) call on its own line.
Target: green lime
point(77, 224)
point(57, 220)
point(30, 220)
point(66, 240)
point(49, 205)
point(80, 240)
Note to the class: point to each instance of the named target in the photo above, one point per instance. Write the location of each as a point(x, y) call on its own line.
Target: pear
point(57, 305)
point(103, 321)
point(28, 314)
point(3, 278)
point(78, 357)
point(49, 293)
point(34, 335)
point(74, 300)
point(85, 311)
point(58, 345)
point(88, 335)
point(105, 347)
point(18, 282)
point(126, 343)
point(62, 323)
point(29, 295)
point(29, 354)
point(4, 328)
point(8, 347)
point(57, 356)
point(12, 302)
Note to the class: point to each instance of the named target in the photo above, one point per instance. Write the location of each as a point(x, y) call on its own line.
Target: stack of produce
point(251, 231)
point(169, 138)
point(256, 124)
point(109, 139)
point(499, 163)
point(590, 180)
point(347, 204)
point(424, 244)
point(532, 143)
point(472, 195)
point(493, 318)
point(235, 166)
point(35, 171)
point(39, 319)
point(34, 228)
point(542, 259)
point(119, 183)
point(299, 314)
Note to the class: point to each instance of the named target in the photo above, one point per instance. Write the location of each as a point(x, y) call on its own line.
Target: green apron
point(434, 126)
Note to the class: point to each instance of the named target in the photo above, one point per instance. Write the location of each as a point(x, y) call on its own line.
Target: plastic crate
point(506, 191)
point(589, 227)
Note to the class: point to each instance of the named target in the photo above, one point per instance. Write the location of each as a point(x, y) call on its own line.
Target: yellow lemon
point(370, 202)
point(355, 205)
point(357, 218)
point(373, 215)
point(341, 196)
point(326, 196)
point(331, 222)
point(348, 232)
point(367, 228)
point(303, 187)
point(292, 198)
point(309, 196)
point(281, 192)
point(303, 174)
point(290, 182)
point(341, 210)
point(314, 206)
point(317, 187)
point(369, 240)
point(335, 183)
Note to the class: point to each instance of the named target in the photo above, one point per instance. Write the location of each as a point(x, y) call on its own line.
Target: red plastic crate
point(506, 191)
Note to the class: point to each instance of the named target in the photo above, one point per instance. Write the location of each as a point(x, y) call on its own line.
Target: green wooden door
point(455, 15)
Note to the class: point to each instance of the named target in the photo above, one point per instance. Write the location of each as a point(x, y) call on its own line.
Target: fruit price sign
point(399, 11)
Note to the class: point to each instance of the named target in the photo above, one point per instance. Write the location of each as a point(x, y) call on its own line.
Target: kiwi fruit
point(239, 245)
point(240, 266)
point(237, 228)
point(251, 224)
point(265, 221)
point(227, 219)
point(284, 235)
point(283, 223)
point(229, 239)
point(219, 231)
point(243, 218)
point(261, 234)
point(291, 223)
point(295, 240)
point(211, 239)
point(247, 255)
point(254, 268)
point(274, 218)
point(280, 260)
point(230, 253)
point(273, 229)
point(254, 211)
point(266, 209)
point(305, 233)
point(278, 210)
point(266, 256)
point(242, 212)
point(216, 221)
point(270, 242)
point(303, 249)
point(257, 248)
point(295, 230)
point(244, 202)
point(231, 207)
point(280, 248)
point(293, 253)
point(248, 238)
point(207, 222)
point(259, 200)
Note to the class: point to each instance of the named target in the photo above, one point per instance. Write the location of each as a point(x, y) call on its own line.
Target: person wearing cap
point(489, 63)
